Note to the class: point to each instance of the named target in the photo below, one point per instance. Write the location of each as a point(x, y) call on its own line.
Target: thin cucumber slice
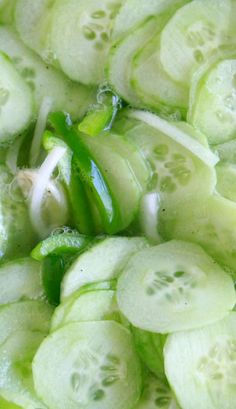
point(16, 234)
point(92, 365)
point(16, 355)
point(44, 80)
point(156, 395)
point(226, 180)
point(154, 86)
point(32, 21)
point(150, 346)
point(167, 288)
point(102, 262)
point(24, 315)
point(188, 39)
point(119, 66)
point(227, 151)
point(205, 358)
point(16, 101)
point(8, 405)
point(19, 280)
point(133, 12)
point(209, 222)
point(7, 8)
point(80, 36)
point(213, 111)
point(98, 305)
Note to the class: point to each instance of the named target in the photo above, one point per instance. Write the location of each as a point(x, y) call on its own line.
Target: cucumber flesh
point(20, 279)
point(188, 39)
point(45, 80)
point(8, 405)
point(102, 262)
point(16, 355)
point(226, 180)
point(100, 353)
point(167, 288)
point(213, 111)
point(16, 101)
point(206, 360)
point(80, 36)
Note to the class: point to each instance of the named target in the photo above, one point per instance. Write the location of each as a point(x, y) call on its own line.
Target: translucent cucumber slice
point(206, 359)
point(210, 222)
point(80, 36)
point(16, 101)
point(133, 12)
point(91, 306)
point(44, 80)
point(197, 29)
point(16, 355)
point(20, 279)
point(154, 86)
point(166, 288)
point(227, 151)
point(24, 315)
point(16, 234)
point(226, 180)
point(32, 21)
point(150, 346)
point(8, 405)
point(92, 365)
point(102, 262)
point(156, 395)
point(7, 8)
point(213, 111)
point(119, 66)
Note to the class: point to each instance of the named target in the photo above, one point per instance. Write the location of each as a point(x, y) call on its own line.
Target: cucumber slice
point(226, 180)
point(92, 365)
point(7, 8)
point(16, 234)
point(119, 67)
point(102, 262)
point(45, 80)
point(32, 21)
point(80, 36)
point(24, 315)
point(133, 12)
point(7, 405)
point(166, 288)
point(156, 395)
point(196, 29)
point(16, 101)
point(153, 86)
point(20, 279)
point(16, 355)
point(213, 110)
point(205, 358)
point(150, 349)
point(98, 305)
point(227, 151)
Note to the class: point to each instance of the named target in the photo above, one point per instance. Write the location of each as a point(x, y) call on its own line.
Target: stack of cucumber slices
point(117, 204)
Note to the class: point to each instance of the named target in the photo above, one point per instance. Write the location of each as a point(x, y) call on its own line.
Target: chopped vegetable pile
point(117, 204)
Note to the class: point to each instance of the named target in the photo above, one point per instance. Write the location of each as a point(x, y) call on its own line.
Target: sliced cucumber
point(92, 365)
point(156, 395)
point(153, 86)
point(24, 315)
point(16, 355)
point(20, 279)
point(8, 405)
point(45, 80)
point(102, 262)
point(32, 21)
point(213, 110)
point(150, 346)
point(16, 101)
point(80, 36)
point(98, 305)
point(166, 288)
point(226, 180)
point(205, 358)
point(119, 68)
point(133, 12)
point(197, 29)
point(16, 234)
point(227, 151)
point(7, 8)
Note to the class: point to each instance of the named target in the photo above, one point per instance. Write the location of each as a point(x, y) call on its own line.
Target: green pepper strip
point(92, 176)
point(61, 243)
